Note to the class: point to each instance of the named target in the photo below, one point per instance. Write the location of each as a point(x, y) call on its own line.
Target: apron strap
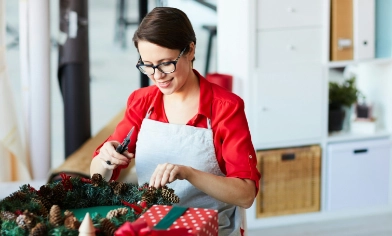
point(208, 123)
point(244, 226)
point(149, 112)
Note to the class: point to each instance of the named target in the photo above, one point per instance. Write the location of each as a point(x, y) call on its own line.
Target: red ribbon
point(136, 208)
point(84, 180)
point(31, 189)
point(140, 228)
point(143, 204)
point(18, 212)
point(66, 181)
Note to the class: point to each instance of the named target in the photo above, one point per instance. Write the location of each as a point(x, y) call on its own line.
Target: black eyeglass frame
point(140, 63)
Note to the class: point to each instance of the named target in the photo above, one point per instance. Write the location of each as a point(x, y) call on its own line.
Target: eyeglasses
point(164, 67)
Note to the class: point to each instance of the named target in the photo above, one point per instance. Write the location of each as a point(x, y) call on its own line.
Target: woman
point(190, 134)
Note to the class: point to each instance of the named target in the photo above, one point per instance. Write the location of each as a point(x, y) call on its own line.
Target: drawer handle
point(291, 9)
point(288, 157)
point(290, 47)
point(356, 151)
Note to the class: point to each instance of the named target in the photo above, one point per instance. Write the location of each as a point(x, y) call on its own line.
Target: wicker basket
point(290, 181)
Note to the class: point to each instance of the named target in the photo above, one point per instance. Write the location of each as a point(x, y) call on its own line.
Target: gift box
point(191, 221)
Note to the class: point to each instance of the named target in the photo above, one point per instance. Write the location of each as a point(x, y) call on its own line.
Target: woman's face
point(176, 81)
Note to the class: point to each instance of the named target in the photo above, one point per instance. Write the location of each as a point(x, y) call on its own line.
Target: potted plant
point(340, 96)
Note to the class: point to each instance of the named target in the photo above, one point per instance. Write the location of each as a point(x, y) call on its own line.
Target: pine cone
point(59, 194)
point(169, 195)
point(174, 199)
point(42, 211)
point(29, 219)
point(68, 213)
point(120, 188)
point(45, 202)
point(113, 184)
point(45, 191)
point(148, 197)
point(39, 230)
point(55, 216)
point(152, 189)
point(117, 212)
point(96, 180)
point(21, 221)
point(18, 195)
point(7, 215)
point(107, 227)
point(71, 222)
point(46, 196)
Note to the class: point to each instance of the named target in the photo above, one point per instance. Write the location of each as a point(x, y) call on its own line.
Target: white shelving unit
point(278, 54)
point(341, 64)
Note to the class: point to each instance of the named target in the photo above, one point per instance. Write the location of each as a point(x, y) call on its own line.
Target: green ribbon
point(170, 217)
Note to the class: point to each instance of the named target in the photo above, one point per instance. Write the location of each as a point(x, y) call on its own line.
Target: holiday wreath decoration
point(49, 210)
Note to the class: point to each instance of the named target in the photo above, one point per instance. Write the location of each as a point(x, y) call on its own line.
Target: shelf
point(346, 136)
point(341, 64)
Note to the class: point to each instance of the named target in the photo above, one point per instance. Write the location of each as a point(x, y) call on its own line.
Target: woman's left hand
point(167, 173)
point(232, 190)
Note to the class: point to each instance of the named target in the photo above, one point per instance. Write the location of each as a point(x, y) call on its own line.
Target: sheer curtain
point(14, 164)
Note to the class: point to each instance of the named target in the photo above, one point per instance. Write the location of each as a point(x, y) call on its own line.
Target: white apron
point(160, 143)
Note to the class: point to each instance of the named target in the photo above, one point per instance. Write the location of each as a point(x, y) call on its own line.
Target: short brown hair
point(167, 27)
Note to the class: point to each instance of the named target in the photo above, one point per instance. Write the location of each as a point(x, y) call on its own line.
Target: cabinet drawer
point(289, 46)
point(358, 174)
point(288, 13)
point(288, 103)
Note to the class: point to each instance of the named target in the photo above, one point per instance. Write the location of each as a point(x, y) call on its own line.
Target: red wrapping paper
point(198, 221)
point(141, 228)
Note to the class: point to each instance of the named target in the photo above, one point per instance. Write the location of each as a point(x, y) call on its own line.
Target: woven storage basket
point(290, 181)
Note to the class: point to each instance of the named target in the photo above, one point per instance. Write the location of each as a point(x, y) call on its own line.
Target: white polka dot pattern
point(198, 221)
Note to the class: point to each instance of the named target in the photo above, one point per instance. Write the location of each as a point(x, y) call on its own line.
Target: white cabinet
point(358, 174)
point(278, 53)
point(289, 13)
point(289, 73)
point(288, 104)
point(292, 46)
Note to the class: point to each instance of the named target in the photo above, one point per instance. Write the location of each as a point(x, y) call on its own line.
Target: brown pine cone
point(7, 215)
point(55, 216)
point(29, 219)
point(96, 179)
point(113, 184)
point(59, 194)
point(174, 199)
point(68, 213)
point(45, 191)
point(152, 189)
point(148, 197)
point(107, 227)
point(71, 222)
point(21, 221)
point(45, 202)
point(120, 188)
point(19, 196)
point(42, 211)
point(39, 230)
point(117, 212)
point(169, 195)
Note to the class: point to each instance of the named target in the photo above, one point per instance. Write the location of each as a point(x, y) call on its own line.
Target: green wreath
point(58, 208)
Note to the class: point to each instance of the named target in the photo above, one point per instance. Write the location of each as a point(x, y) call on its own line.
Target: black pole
point(143, 9)
point(211, 33)
point(74, 74)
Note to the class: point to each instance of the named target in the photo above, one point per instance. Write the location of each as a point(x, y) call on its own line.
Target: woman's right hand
point(110, 159)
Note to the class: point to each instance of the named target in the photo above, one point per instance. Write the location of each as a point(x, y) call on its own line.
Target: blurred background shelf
point(344, 136)
point(341, 64)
